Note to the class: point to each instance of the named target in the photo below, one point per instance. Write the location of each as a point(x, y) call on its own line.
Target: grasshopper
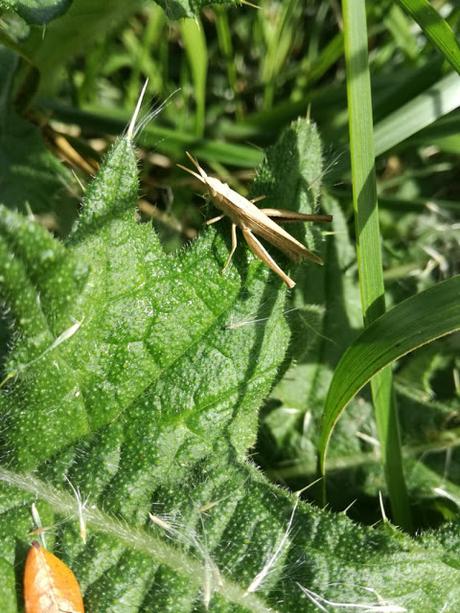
point(244, 214)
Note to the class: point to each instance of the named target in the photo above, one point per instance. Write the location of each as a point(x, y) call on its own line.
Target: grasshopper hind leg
point(284, 216)
point(259, 250)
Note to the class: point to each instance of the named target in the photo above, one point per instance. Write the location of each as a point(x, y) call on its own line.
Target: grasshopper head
point(216, 187)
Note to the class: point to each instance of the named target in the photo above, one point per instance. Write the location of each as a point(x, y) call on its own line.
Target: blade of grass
point(8, 41)
point(326, 58)
point(403, 205)
point(435, 28)
point(224, 38)
point(167, 140)
point(368, 243)
point(279, 32)
point(197, 55)
point(412, 323)
point(141, 50)
point(422, 111)
point(400, 27)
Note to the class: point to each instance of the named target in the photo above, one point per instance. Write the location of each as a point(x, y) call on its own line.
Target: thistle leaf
point(129, 404)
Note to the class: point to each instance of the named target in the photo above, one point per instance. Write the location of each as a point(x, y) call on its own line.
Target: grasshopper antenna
point(197, 166)
point(191, 172)
point(200, 175)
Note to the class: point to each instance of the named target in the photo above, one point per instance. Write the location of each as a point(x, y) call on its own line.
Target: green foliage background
point(137, 379)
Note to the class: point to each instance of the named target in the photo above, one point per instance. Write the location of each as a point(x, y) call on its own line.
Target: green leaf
point(435, 28)
point(127, 393)
point(37, 11)
point(410, 324)
point(422, 111)
point(178, 9)
point(325, 316)
point(128, 347)
point(367, 564)
point(30, 175)
point(64, 37)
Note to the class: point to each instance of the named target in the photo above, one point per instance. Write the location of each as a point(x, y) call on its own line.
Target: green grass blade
point(368, 242)
point(197, 55)
point(422, 111)
point(279, 34)
point(436, 29)
point(327, 58)
point(400, 27)
point(169, 141)
point(224, 39)
point(410, 324)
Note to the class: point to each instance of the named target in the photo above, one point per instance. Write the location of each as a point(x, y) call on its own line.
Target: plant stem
point(369, 244)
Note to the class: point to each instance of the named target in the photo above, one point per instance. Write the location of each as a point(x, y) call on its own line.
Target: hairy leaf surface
point(129, 401)
point(177, 9)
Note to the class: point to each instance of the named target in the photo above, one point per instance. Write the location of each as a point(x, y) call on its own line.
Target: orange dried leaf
point(49, 585)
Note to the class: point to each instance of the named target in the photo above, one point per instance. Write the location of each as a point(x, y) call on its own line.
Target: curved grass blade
point(435, 28)
point(410, 324)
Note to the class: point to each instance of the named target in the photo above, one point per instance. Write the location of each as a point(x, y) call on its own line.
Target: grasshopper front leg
point(214, 220)
point(232, 251)
point(259, 250)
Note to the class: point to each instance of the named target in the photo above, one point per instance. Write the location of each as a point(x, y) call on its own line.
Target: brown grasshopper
point(252, 220)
